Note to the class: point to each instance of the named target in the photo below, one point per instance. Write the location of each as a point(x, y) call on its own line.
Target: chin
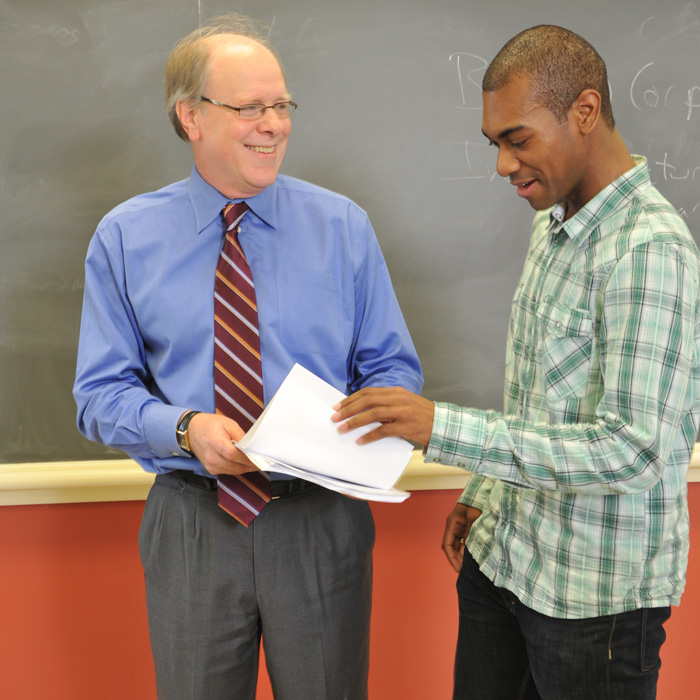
point(542, 206)
point(264, 180)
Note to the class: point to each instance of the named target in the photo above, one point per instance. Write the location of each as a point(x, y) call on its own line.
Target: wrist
point(182, 431)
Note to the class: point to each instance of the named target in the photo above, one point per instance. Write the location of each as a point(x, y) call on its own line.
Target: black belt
point(281, 488)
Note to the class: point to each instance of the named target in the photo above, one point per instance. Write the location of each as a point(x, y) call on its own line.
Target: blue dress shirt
point(146, 349)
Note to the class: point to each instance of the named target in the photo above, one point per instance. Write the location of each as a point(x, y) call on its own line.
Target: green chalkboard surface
point(390, 115)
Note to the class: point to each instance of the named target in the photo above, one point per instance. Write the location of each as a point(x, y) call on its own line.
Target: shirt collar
point(207, 202)
point(605, 203)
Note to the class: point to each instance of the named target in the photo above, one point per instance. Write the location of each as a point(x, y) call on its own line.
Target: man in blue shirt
point(300, 575)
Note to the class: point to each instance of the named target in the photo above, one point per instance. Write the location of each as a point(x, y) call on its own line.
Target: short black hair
point(561, 65)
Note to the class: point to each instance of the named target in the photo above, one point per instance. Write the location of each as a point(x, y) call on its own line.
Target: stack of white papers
point(295, 435)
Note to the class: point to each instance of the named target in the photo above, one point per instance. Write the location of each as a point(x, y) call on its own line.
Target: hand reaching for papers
point(401, 413)
point(294, 435)
point(211, 440)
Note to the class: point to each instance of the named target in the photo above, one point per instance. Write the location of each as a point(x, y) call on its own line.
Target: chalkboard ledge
point(124, 480)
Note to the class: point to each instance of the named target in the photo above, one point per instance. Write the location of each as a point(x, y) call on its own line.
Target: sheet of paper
point(366, 493)
point(295, 429)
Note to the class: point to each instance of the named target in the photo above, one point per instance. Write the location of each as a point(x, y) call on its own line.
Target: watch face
point(182, 440)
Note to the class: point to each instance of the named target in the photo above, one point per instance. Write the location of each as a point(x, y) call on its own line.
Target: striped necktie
point(237, 366)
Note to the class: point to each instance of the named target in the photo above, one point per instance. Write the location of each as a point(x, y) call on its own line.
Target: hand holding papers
point(295, 435)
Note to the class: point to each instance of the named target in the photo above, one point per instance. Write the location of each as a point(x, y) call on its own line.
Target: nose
point(506, 163)
point(269, 122)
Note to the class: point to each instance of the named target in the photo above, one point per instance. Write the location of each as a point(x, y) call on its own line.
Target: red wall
point(73, 618)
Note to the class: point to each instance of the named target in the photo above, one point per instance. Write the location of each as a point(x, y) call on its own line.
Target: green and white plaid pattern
point(583, 479)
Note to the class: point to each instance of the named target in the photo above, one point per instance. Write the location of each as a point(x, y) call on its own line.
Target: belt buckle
point(287, 490)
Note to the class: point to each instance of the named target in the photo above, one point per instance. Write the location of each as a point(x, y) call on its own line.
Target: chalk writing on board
point(468, 161)
point(53, 283)
point(65, 36)
point(683, 18)
point(672, 173)
point(471, 97)
point(645, 94)
point(463, 159)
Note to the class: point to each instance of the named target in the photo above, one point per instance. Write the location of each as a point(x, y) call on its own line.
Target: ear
point(586, 111)
point(189, 119)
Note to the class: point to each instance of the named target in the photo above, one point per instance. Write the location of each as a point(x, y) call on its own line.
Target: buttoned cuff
point(457, 437)
point(160, 424)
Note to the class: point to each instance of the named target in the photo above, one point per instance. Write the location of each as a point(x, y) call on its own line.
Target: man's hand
point(459, 522)
point(400, 412)
point(211, 439)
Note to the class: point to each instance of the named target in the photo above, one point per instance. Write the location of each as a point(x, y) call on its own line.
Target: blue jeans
point(506, 651)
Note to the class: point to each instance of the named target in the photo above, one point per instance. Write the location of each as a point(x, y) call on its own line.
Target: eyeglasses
point(283, 110)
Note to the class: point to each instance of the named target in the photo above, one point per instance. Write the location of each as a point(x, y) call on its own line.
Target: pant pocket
point(653, 636)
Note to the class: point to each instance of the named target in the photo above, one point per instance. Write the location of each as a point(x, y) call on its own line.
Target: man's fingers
point(371, 415)
point(401, 413)
point(357, 404)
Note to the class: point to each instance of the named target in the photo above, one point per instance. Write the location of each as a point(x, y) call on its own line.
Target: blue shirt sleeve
point(113, 387)
point(383, 353)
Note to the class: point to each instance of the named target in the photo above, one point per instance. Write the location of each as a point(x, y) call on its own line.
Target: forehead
point(510, 108)
point(241, 64)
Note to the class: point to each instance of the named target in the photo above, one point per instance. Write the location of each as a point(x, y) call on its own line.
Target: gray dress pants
point(300, 577)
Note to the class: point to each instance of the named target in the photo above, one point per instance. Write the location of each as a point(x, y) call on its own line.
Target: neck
point(615, 158)
point(608, 158)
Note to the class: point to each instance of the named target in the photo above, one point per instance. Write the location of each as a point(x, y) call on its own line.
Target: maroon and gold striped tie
point(237, 366)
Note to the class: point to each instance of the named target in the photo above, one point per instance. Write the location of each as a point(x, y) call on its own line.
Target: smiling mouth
point(261, 149)
point(524, 187)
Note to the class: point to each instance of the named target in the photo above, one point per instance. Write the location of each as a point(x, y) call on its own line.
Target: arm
point(112, 387)
point(116, 394)
point(647, 348)
point(382, 353)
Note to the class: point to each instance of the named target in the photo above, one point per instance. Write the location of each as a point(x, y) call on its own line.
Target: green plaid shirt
point(583, 479)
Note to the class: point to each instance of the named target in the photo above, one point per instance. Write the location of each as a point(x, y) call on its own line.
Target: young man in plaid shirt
point(571, 536)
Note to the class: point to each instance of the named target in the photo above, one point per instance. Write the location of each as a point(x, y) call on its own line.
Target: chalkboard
point(389, 114)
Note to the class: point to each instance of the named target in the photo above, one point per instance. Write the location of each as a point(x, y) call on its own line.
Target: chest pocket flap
point(567, 346)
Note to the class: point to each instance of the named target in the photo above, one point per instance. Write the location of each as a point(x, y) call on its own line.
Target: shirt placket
point(547, 256)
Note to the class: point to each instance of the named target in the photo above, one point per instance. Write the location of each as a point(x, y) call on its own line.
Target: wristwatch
point(183, 438)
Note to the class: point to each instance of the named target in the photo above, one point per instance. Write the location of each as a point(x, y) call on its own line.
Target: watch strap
point(183, 439)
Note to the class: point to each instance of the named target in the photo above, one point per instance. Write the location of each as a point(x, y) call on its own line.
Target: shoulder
point(294, 189)
point(648, 228)
point(145, 206)
point(650, 218)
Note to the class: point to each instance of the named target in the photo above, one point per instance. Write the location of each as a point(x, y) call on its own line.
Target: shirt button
point(436, 459)
point(461, 464)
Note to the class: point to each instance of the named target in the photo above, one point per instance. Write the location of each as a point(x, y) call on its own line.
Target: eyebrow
point(505, 133)
point(286, 97)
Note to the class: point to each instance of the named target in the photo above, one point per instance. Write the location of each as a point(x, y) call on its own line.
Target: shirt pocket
point(310, 312)
point(567, 348)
